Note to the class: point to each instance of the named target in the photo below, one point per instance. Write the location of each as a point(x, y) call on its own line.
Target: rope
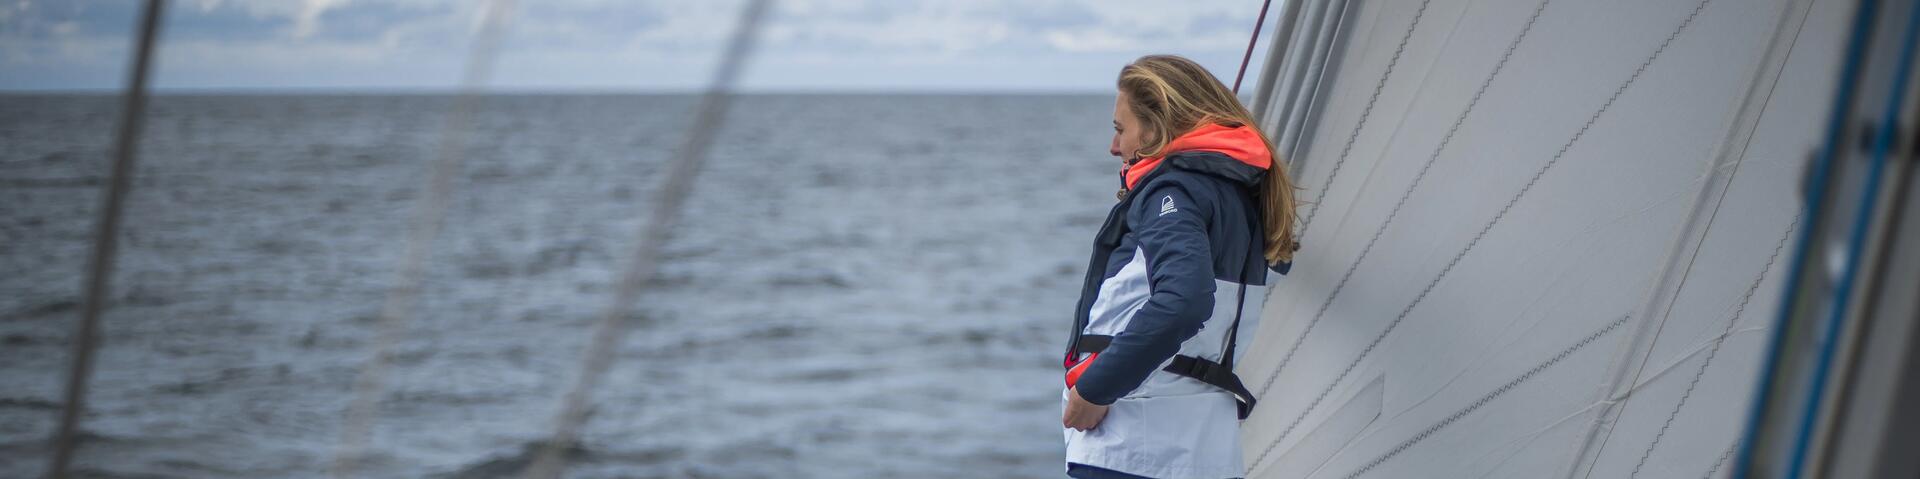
point(654, 233)
point(1248, 57)
point(428, 216)
point(106, 240)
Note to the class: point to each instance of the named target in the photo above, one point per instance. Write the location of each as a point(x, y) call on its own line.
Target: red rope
point(1250, 42)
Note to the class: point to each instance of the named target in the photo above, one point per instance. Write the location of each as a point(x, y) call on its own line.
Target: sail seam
point(1365, 114)
point(1498, 67)
point(1328, 303)
point(1660, 302)
point(1489, 397)
point(1723, 460)
point(1528, 187)
point(1715, 351)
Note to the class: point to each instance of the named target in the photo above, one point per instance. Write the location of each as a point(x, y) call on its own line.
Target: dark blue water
point(864, 286)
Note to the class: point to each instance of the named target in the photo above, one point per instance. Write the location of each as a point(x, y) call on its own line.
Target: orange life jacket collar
point(1240, 143)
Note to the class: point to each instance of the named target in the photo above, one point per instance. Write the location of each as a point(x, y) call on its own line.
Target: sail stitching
point(1717, 342)
point(1498, 67)
point(1391, 215)
point(1365, 114)
point(1581, 133)
point(1489, 397)
point(1759, 90)
point(1723, 460)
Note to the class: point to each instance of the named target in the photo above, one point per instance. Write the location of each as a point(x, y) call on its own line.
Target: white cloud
point(1091, 41)
point(1065, 44)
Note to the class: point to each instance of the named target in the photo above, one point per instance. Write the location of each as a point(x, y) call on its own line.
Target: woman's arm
point(1171, 227)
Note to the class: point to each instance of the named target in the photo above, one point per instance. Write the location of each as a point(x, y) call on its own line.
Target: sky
point(622, 45)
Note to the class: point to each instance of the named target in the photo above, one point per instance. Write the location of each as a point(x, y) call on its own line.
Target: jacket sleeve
point(1171, 228)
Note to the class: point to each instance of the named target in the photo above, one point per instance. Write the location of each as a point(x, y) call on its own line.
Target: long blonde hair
point(1171, 96)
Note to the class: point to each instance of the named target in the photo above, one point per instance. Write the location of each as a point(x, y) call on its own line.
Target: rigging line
point(654, 233)
point(106, 237)
point(1489, 397)
point(1248, 58)
point(1813, 191)
point(1365, 114)
point(1717, 342)
point(1304, 57)
point(1498, 67)
point(1528, 187)
point(1269, 83)
point(429, 215)
point(1852, 249)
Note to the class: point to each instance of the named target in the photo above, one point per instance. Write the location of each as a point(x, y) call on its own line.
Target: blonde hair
point(1171, 96)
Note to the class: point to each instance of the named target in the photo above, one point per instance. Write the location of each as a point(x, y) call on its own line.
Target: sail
point(1541, 238)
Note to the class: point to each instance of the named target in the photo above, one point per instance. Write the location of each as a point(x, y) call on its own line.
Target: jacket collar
point(1235, 153)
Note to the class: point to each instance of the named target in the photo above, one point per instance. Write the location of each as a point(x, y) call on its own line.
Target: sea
point(862, 286)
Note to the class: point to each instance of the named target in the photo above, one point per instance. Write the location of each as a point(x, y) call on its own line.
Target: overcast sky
point(643, 45)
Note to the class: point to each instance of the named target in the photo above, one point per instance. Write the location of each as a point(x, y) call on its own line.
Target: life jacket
point(1198, 151)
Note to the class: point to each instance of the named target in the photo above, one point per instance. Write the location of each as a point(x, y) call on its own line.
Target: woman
point(1205, 208)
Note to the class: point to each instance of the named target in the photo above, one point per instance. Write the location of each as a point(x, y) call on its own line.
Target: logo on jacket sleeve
point(1166, 205)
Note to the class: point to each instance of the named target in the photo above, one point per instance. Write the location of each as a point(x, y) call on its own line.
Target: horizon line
point(374, 91)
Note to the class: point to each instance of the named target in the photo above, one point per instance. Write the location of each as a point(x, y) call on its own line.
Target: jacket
point(1177, 261)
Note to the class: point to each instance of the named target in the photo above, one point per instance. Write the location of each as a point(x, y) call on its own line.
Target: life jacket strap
point(1201, 369)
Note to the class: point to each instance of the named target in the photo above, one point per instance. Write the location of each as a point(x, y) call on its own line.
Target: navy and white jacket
point(1176, 261)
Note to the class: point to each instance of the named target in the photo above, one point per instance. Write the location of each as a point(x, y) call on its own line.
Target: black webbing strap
point(1093, 343)
point(1240, 302)
point(1219, 374)
point(1206, 371)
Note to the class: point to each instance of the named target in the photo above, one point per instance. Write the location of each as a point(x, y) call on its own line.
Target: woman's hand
point(1082, 415)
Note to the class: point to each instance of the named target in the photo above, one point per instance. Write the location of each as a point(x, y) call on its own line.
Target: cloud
point(308, 20)
point(988, 44)
point(1091, 41)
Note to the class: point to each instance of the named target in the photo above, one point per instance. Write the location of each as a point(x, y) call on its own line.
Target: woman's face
point(1126, 131)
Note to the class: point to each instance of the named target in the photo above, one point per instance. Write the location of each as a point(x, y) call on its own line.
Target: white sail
point(1546, 237)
